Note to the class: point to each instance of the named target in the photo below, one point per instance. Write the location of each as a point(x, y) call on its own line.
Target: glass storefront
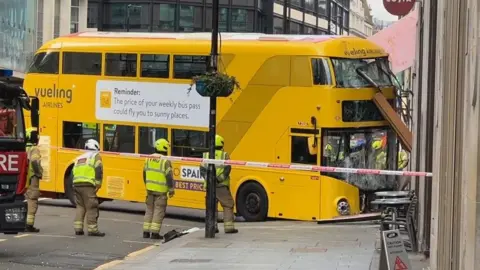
point(235, 15)
point(17, 33)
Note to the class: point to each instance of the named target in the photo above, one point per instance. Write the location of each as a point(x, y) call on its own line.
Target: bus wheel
point(68, 185)
point(252, 202)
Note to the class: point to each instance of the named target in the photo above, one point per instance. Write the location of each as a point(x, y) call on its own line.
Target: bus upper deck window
point(320, 72)
point(121, 64)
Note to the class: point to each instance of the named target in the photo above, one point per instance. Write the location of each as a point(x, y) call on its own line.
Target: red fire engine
point(13, 156)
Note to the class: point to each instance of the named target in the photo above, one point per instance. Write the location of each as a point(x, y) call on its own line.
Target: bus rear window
point(45, 63)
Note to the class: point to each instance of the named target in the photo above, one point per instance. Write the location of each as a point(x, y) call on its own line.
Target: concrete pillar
point(65, 15)
point(456, 136)
point(82, 15)
point(423, 115)
point(48, 19)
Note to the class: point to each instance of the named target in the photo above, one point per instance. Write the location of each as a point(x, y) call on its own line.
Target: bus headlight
point(343, 207)
point(15, 214)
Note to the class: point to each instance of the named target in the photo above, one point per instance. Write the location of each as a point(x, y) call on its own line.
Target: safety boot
point(97, 233)
point(79, 233)
point(31, 229)
point(156, 236)
point(231, 231)
point(146, 235)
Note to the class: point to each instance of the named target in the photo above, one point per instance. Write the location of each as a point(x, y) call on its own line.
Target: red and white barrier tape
point(297, 167)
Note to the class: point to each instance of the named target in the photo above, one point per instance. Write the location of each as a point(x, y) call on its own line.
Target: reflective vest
point(84, 169)
point(402, 160)
point(380, 160)
point(155, 174)
point(33, 154)
point(219, 154)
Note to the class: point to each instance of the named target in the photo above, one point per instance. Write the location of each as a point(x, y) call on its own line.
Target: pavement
point(56, 246)
point(271, 245)
point(261, 246)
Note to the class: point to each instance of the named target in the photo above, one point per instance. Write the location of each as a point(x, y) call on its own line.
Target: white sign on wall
point(155, 103)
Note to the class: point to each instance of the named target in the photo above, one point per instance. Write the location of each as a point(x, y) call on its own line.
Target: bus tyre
point(68, 185)
point(252, 202)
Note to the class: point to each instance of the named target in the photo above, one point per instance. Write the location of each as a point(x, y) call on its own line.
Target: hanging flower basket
point(213, 84)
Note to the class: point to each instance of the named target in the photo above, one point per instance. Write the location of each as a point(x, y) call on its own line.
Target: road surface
point(57, 247)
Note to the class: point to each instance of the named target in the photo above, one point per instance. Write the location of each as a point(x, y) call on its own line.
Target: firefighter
point(87, 180)
point(379, 155)
point(222, 185)
point(402, 159)
point(158, 178)
point(35, 173)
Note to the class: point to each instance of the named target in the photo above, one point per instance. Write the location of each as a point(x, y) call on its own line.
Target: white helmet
point(92, 144)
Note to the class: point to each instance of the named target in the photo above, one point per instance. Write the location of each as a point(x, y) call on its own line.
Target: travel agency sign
point(398, 7)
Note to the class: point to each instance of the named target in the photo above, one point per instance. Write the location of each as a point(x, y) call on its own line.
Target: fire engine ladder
point(399, 118)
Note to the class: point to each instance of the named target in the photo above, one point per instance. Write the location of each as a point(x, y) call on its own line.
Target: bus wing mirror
point(312, 145)
point(35, 114)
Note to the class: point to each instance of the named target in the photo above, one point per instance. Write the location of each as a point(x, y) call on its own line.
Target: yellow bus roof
point(324, 45)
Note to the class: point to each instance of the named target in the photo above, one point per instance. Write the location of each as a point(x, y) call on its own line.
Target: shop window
point(154, 65)
point(278, 25)
point(81, 63)
point(300, 152)
point(189, 143)
point(76, 134)
point(222, 19)
point(119, 138)
point(164, 18)
point(45, 63)
point(121, 64)
point(147, 136)
point(191, 18)
point(242, 20)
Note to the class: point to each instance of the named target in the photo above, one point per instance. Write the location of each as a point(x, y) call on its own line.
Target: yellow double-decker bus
point(302, 100)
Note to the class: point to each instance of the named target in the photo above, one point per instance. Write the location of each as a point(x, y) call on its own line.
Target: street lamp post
point(211, 201)
point(129, 6)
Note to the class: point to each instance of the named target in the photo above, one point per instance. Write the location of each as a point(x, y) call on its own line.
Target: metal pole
point(211, 202)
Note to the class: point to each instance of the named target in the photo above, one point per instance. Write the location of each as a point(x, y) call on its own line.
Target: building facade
point(267, 16)
point(17, 36)
point(360, 19)
point(27, 24)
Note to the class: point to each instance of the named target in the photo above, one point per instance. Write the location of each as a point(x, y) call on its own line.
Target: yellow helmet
point(28, 132)
point(162, 145)
point(219, 142)
point(377, 145)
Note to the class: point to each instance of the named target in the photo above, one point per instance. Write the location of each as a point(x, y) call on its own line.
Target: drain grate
point(190, 261)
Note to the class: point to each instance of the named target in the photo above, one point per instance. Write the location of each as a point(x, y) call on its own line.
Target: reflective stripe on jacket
point(84, 169)
point(155, 174)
